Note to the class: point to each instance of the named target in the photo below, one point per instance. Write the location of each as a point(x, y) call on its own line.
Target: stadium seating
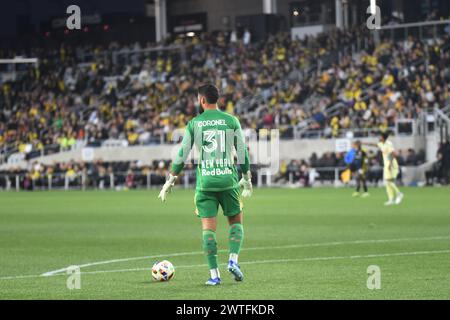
point(141, 97)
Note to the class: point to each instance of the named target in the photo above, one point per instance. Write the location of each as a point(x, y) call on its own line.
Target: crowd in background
point(323, 169)
point(440, 170)
point(135, 174)
point(97, 174)
point(143, 97)
point(407, 85)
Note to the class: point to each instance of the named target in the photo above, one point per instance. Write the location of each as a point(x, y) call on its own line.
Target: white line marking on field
point(307, 245)
point(368, 256)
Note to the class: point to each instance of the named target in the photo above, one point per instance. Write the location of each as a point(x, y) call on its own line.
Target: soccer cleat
point(213, 282)
point(389, 203)
point(355, 194)
point(399, 198)
point(365, 195)
point(235, 270)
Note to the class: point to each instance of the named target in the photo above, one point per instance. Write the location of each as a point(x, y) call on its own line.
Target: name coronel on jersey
point(211, 123)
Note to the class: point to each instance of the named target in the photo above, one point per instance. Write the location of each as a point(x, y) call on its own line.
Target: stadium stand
point(144, 95)
point(317, 87)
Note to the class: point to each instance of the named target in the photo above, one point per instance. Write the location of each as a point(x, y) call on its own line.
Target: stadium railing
point(118, 180)
point(421, 30)
point(81, 181)
point(114, 54)
point(124, 180)
point(11, 73)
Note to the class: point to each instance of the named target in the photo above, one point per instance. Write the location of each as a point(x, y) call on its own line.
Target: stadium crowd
point(134, 174)
point(142, 97)
point(407, 85)
point(323, 168)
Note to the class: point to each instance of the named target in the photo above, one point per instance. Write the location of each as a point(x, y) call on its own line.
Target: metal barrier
point(421, 30)
point(322, 176)
point(84, 181)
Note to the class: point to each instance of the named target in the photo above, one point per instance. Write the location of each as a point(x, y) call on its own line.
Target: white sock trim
point(215, 273)
point(234, 257)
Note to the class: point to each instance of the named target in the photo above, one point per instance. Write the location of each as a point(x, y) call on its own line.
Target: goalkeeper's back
point(215, 134)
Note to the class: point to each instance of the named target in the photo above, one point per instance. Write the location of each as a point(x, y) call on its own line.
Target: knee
point(235, 219)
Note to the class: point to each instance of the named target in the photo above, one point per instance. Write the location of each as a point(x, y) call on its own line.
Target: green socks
point(210, 248)
point(236, 236)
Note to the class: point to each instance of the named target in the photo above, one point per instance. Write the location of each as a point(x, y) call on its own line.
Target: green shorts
point(207, 203)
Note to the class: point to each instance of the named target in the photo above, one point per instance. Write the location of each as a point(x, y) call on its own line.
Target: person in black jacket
point(359, 167)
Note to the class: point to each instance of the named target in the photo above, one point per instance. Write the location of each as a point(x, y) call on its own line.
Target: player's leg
point(235, 236)
point(398, 194)
point(390, 192)
point(358, 185)
point(387, 175)
point(209, 226)
point(364, 184)
point(232, 208)
point(207, 205)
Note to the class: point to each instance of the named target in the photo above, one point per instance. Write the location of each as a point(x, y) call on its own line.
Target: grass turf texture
point(45, 231)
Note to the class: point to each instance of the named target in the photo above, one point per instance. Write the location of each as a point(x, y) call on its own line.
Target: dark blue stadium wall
point(20, 19)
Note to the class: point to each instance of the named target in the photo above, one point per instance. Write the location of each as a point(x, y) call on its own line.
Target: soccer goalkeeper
point(215, 135)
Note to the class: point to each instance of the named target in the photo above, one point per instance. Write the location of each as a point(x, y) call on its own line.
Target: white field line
point(307, 245)
point(368, 256)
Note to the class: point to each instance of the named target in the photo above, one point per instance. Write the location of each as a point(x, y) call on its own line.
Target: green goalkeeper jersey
point(217, 136)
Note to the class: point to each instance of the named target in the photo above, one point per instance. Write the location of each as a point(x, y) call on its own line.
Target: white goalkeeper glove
point(167, 187)
point(246, 183)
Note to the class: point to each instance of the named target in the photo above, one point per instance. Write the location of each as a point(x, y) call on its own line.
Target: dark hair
point(385, 135)
point(210, 92)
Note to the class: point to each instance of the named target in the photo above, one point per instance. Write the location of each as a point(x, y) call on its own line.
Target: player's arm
point(243, 160)
point(178, 162)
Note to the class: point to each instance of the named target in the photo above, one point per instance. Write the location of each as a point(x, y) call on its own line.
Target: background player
point(391, 169)
point(215, 135)
point(359, 167)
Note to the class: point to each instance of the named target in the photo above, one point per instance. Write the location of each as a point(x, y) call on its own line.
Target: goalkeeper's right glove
point(167, 187)
point(246, 183)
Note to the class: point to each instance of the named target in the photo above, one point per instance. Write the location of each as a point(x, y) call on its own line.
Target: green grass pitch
point(300, 244)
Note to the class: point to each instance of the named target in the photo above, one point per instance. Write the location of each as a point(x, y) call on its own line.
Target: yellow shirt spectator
point(132, 137)
point(388, 80)
point(360, 105)
point(70, 173)
point(230, 107)
point(22, 147)
point(35, 175)
point(281, 53)
point(368, 80)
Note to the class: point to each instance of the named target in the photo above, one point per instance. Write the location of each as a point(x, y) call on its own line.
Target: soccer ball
point(163, 271)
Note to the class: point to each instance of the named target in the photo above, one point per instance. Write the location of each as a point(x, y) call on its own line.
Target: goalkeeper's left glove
point(167, 187)
point(246, 183)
